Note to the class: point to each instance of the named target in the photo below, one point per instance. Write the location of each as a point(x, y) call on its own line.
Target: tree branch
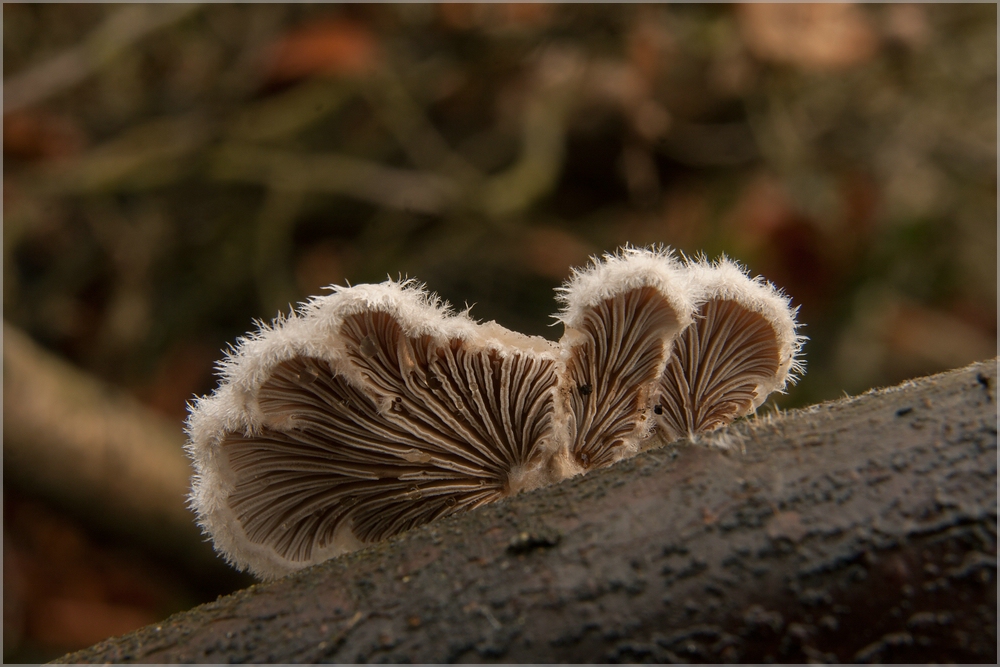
point(118, 32)
point(862, 529)
point(98, 453)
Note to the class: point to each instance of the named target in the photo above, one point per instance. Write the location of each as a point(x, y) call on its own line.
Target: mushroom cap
point(726, 279)
point(741, 347)
point(368, 412)
point(621, 316)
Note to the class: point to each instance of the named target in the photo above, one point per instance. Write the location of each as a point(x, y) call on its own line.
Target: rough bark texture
point(862, 529)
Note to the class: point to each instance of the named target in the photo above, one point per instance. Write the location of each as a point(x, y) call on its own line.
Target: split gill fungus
point(376, 408)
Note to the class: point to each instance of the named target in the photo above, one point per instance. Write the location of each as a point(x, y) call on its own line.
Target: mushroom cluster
point(375, 409)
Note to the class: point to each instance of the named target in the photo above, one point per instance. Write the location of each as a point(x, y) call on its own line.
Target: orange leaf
point(35, 134)
point(329, 47)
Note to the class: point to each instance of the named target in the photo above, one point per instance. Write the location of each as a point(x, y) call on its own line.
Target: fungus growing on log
point(741, 347)
point(376, 409)
point(371, 411)
point(621, 317)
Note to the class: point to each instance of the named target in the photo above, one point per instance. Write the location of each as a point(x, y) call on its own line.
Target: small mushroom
point(371, 411)
point(621, 315)
point(741, 347)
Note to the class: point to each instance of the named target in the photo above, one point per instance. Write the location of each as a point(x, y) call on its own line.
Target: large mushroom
point(371, 411)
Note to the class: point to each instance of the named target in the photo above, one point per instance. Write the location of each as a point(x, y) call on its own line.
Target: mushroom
point(741, 347)
point(621, 315)
point(370, 411)
point(375, 409)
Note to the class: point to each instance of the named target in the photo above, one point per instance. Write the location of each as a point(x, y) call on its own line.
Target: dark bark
point(862, 529)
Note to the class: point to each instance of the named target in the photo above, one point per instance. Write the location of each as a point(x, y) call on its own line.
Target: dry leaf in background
point(330, 47)
point(810, 36)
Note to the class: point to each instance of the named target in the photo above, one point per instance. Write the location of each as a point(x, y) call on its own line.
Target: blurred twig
point(143, 156)
point(120, 30)
point(534, 174)
point(282, 115)
point(423, 144)
point(96, 452)
point(335, 174)
point(559, 73)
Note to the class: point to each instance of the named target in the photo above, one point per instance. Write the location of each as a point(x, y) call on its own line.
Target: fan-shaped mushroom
point(741, 347)
point(372, 411)
point(621, 316)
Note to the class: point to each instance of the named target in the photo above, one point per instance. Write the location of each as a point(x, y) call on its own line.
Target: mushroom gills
point(436, 426)
point(616, 354)
point(717, 371)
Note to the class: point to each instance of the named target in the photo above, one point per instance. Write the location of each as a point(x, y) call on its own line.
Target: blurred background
point(173, 172)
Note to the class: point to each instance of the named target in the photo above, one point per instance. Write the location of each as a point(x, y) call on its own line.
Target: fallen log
point(863, 529)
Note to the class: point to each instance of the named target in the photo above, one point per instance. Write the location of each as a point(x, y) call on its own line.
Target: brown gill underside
point(437, 428)
point(715, 368)
point(612, 372)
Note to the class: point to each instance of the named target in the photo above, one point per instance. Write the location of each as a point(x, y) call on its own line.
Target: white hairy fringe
point(727, 279)
point(629, 268)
